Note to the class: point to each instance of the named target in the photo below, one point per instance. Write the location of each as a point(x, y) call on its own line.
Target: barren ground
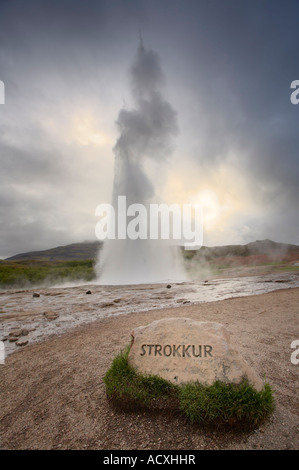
point(53, 396)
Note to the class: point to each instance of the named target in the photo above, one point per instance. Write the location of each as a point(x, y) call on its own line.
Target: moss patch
point(215, 404)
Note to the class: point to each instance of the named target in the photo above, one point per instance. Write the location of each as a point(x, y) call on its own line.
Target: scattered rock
point(12, 339)
point(18, 333)
point(22, 342)
point(88, 292)
point(183, 350)
point(106, 304)
point(168, 286)
point(35, 295)
point(15, 333)
point(51, 315)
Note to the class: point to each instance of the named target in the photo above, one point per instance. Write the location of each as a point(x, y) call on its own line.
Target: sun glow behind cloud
point(85, 130)
point(224, 194)
point(73, 126)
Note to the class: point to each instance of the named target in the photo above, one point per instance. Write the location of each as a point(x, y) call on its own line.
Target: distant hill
point(258, 250)
point(259, 247)
point(75, 251)
point(254, 253)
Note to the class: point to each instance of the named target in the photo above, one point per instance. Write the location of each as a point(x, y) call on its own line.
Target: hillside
point(221, 259)
point(258, 252)
point(75, 251)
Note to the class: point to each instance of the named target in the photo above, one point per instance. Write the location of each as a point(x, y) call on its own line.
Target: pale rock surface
point(183, 350)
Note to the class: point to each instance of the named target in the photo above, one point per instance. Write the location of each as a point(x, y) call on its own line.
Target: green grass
point(226, 403)
point(24, 274)
point(286, 268)
point(215, 404)
point(123, 383)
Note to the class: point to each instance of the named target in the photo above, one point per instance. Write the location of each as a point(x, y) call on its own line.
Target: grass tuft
point(226, 403)
point(124, 383)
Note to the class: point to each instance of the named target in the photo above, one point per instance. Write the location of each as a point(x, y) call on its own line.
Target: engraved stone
point(183, 350)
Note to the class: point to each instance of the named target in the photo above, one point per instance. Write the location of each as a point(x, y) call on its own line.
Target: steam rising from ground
point(146, 134)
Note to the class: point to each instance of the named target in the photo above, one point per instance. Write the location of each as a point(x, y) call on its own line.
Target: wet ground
point(32, 315)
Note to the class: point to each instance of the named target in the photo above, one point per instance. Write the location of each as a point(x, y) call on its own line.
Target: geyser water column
point(146, 134)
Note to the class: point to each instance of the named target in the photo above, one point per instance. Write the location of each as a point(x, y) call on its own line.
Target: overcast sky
point(228, 66)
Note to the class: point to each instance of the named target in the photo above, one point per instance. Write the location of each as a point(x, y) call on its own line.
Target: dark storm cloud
point(228, 63)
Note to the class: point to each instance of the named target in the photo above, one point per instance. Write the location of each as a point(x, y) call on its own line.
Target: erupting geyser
point(146, 134)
